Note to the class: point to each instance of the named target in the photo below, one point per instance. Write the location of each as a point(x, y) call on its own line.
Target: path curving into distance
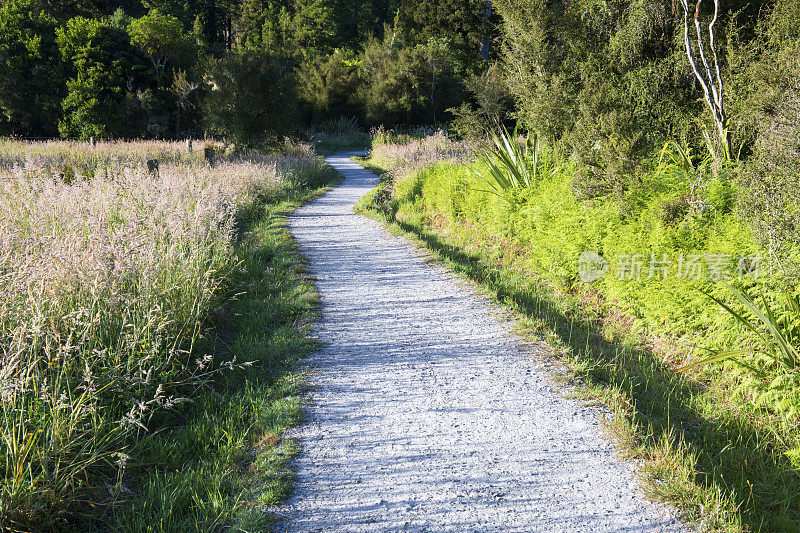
point(427, 413)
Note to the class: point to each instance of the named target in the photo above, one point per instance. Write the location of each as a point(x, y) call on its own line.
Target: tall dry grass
point(414, 153)
point(107, 280)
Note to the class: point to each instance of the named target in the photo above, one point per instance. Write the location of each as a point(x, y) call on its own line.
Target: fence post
point(152, 166)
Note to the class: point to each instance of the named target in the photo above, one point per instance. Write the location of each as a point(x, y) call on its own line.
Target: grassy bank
point(708, 445)
point(149, 330)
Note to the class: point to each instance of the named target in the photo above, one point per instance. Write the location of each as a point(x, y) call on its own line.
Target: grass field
point(149, 325)
point(706, 444)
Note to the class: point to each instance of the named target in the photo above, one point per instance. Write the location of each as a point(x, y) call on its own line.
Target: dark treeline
point(248, 69)
point(608, 81)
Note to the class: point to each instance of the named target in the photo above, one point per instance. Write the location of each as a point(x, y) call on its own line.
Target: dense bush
point(766, 87)
point(31, 81)
point(465, 23)
point(101, 65)
point(677, 208)
point(327, 86)
point(134, 68)
point(408, 85)
point(252, 98)
point(609, 81)
point(489, 106)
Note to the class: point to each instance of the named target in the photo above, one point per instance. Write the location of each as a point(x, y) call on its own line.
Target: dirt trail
point(427, 414)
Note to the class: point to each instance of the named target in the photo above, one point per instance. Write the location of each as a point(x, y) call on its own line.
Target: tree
point(159, 37)
point(252, 98)
point(408, 85)
point(492, 105)
point(327, 85)
point(63, 10)
point(182, 89)
point(463, 22)
point(708, 72)
point(262, 24)
point(315, 25)
point(31, 78)
point(102, 65)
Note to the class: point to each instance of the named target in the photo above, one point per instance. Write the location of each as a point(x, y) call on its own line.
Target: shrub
point(327, 86)
point(767, 102)
point(100, 60)
point(31, 77)
point(609, 81)
point(410, 86)
point(252, 98)
point(490, 107)
point(509, 166)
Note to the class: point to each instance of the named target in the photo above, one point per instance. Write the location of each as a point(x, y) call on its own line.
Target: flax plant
point(509, 165)
point(773, 359)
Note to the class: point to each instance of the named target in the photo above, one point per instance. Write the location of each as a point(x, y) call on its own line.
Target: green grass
point(153, 321)
point(220, 463)
point(726, 465)
point(337, 134)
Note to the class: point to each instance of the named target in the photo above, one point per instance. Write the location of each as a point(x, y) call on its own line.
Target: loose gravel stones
point(426, 412)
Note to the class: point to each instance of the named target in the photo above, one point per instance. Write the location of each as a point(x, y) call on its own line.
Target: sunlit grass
point(110, 276)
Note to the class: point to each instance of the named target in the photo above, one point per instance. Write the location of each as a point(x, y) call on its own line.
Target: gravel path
point(428, 413)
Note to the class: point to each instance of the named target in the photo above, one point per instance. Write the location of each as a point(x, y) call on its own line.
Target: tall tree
point(102, 66)
point(31, 80)
point(463, 22)
point(159, 37)
point(315, 25)
point(252, 98)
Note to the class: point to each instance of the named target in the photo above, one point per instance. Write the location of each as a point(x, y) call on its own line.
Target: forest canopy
point(608, 82)
point(149, 68)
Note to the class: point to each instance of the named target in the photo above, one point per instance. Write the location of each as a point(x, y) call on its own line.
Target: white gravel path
point(427, 413)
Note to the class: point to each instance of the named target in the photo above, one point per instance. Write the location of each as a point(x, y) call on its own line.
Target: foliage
point(462, 22)
point(31, 81)
point(184, 91)
point(766, 98)
point(509, 165)
point(265, 24)
point(409, 86)
point(609, 81)
point(252, 98)
point(776, 367)
point(100, 60)
point(159, 37)
point(315, 24)
point(327, 85)
point(340, 126)
point(489, 109)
